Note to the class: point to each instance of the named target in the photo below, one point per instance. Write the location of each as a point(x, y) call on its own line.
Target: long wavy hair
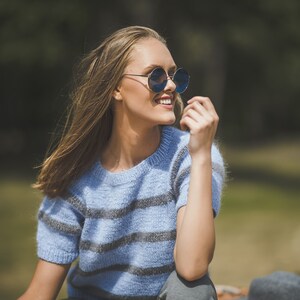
point(90, 117)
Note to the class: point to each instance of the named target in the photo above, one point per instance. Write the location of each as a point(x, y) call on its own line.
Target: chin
point(168, 121)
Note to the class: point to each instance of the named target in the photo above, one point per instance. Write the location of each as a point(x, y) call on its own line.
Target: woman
point(129, 195)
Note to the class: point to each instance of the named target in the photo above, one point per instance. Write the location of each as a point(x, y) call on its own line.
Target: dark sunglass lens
point(181, 78)
point(157, 80)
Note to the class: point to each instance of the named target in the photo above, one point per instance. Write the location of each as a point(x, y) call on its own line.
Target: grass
point(279, 159)
point(258, 229)
point(258, 232)
point(17, 208)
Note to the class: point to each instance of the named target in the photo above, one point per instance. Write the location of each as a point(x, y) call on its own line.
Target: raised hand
point(201, 119)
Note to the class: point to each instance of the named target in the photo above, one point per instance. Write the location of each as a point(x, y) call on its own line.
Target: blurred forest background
point(244, 55)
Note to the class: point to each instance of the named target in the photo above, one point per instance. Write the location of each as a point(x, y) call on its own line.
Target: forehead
point(150, 52)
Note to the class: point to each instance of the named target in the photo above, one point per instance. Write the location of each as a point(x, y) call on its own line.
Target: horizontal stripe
point(136, 204)
point(150, 237)
point(57, 225)
point(183, 152)
point(98, 292)
point(179, 179)
point(76, 203)
point(130, 269)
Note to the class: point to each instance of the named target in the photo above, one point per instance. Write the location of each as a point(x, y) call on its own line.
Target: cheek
point(137, 94)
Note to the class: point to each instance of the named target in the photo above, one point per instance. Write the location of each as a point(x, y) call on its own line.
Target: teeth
point(165, 101)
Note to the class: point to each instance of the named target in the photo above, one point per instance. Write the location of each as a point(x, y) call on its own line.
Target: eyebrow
point(153, 66)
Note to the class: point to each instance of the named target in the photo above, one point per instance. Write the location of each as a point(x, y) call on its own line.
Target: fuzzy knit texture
point(122, 226)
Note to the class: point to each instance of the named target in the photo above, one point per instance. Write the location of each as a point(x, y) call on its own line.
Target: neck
point(128, 146)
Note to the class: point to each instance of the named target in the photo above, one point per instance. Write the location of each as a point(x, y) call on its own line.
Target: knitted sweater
point(122, 226)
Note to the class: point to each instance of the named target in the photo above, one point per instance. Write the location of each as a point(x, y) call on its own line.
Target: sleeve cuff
point(54, 256)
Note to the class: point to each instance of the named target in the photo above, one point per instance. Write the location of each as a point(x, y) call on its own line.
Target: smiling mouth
point(164, 101)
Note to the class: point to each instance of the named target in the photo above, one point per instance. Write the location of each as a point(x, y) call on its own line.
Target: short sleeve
point(60, 222)
point(182, 168)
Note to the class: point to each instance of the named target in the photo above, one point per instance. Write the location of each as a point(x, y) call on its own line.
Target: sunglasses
point(158, 78)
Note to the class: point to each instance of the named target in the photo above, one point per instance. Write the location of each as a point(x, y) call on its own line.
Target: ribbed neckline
point(141, 168)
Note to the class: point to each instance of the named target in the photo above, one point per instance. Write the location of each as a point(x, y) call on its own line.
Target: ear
point(117, 94)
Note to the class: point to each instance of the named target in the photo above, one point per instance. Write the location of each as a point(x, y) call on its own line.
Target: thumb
point(183, 126)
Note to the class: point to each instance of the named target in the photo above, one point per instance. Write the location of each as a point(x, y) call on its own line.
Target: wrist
point(203, 157)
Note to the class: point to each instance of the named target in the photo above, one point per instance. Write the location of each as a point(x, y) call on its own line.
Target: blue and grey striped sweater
point(122, 226)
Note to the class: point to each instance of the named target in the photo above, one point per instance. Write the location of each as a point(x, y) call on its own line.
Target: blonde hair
point(89, 120)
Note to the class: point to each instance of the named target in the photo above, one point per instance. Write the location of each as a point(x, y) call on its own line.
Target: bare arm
point(46, 282)
point(195, 241)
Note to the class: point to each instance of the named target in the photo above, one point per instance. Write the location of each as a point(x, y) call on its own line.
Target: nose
point(170, 86)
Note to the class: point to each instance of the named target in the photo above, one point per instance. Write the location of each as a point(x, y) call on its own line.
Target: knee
point(200, 289)
point(177, 288)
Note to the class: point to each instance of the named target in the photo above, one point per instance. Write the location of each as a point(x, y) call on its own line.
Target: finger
point(195, 106)
point(204, 101)
point(187, 123)
point(191, 124)
point(196, 111)
point(201, 121)
point(196, 124)
point(210, 115)
point(196, 115)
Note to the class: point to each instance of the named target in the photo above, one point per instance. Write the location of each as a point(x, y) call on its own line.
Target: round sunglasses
point(158, 78)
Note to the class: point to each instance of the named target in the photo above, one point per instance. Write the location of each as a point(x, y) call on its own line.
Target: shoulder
point(181, 140)
point(179, 152)
point(82, 186)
